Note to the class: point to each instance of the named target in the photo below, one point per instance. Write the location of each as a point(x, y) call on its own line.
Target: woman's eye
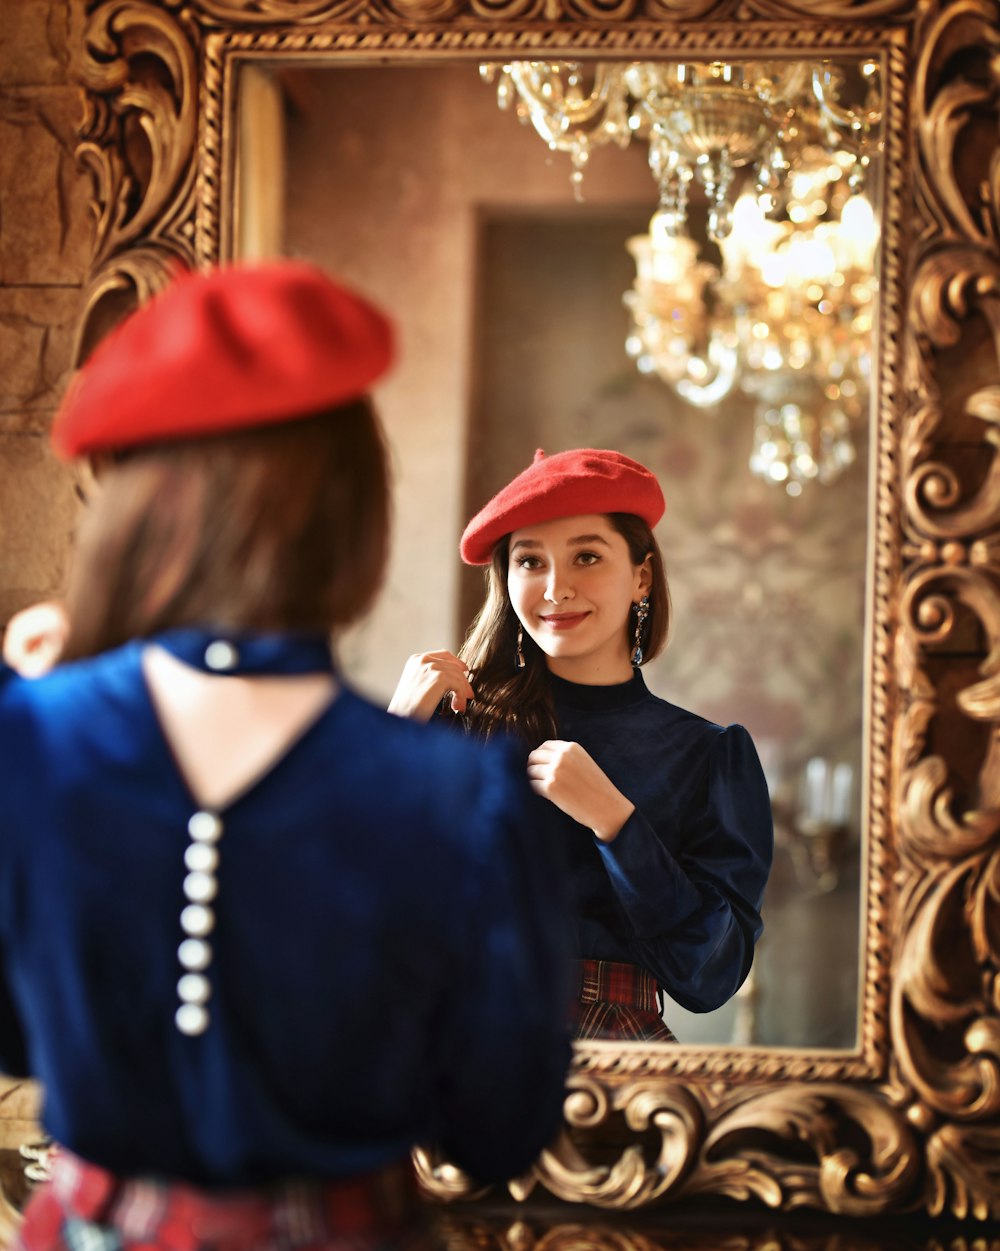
point(527, 562)
point(588, 558)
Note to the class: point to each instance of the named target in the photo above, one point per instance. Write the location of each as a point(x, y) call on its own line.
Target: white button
point(194, 953)
point(205, 827)
point(191, 1018)
point(200, 858)
point(197, 920)
point(200, 888)
point(221, 655)
point(194, 988)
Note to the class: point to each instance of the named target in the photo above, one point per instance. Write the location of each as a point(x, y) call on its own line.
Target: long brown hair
point(519, 701)
point(274, 527)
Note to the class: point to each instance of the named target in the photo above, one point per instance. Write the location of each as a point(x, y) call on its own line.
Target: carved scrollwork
point(878, 1170)
point(516, 10)
point(465, 1232)
point(784, 1147)
point(911, 1118)
point(267, 12)
point(957, 275)
point(946, 991)
point(964, 1167)
point(950, 107)
point(139, 67)
point(945, 999)
point(425, 10)
point(138, 140)
point(121, 285)
point(951, 286)
point(308, 12)
point(833, 10)
point(668, 1113)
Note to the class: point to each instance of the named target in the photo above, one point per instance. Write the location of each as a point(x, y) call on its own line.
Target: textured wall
point(44, 244)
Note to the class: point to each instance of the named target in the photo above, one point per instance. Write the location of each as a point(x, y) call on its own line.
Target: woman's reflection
point(664, 816)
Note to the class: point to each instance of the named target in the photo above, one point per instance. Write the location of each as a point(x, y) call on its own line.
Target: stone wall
point(45, 234)
point(45, 237)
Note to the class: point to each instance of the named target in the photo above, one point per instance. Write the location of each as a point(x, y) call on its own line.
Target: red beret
point(243, 345)
point(568, 484)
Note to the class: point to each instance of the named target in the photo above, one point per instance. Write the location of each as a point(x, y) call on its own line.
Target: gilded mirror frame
point(910, 1120)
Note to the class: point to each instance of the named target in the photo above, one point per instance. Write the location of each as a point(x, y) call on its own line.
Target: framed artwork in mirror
point(909, 1117)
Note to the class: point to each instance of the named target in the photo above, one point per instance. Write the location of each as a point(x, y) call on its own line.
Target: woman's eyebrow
point(579, 540)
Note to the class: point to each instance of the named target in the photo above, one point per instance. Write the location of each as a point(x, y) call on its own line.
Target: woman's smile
point(563, 620)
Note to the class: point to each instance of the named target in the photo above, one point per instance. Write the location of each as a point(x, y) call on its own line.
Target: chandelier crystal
point(779, 155)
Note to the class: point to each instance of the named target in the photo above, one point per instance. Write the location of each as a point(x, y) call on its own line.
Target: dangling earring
point(641, 613)
point(519, 654)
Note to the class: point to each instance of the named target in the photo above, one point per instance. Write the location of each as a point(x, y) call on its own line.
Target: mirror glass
point(738, 369)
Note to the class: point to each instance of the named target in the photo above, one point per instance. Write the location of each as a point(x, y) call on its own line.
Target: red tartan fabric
point(85, 1208)
point(618, 1000)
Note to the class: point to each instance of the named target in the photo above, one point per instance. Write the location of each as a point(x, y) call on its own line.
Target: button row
point(201, 858)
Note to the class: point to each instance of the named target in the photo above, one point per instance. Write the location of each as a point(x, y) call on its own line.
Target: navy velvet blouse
point(679, 890)
point(389, 957)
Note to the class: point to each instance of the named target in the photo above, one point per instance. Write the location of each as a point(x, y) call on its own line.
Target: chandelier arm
point(854, 122)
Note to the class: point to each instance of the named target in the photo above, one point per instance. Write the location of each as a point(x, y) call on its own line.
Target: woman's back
point(381, 967)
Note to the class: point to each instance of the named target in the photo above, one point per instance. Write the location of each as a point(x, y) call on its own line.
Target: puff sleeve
point(690, 895)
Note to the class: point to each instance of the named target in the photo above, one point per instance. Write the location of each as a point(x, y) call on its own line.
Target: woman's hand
point(34, 638)
point(426, 678)
point(569, 778)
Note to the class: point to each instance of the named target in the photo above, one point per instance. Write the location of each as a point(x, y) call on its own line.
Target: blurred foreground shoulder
point(502, 1044)
point(475, 787)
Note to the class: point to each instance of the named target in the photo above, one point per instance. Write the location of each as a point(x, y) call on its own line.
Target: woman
point(664, 817)
point(257, 937)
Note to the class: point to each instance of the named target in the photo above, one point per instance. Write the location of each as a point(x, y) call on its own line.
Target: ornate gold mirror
point(907, 1116)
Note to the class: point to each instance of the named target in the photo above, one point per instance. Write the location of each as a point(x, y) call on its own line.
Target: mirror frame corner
point(910, 1119)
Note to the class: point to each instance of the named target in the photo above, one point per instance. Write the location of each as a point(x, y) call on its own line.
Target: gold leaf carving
point(985, 404)
point(441, 1179)
point(670, 1111)
point(124, 282)
point(947, 284)
point(843, 10)
point(964, 1166)
point(941, 1011)
point(426, 10)
point(952, 30)
point(137, 142)
point(950, 286)
point(269, 12)
point(137, 186)
point(821, 1120)
point(931, 826)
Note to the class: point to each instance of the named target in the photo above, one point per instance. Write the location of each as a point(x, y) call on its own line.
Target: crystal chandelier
point(786, 318)
point(781, 162)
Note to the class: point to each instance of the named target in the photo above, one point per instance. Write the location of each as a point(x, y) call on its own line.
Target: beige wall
point(44, 244)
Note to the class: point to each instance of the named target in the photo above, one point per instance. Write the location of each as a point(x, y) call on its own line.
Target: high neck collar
point(247, 653)
point(598, 698)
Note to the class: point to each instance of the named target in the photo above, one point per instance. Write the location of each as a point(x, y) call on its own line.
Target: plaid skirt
point(86, 1208)
point(618, 1001)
